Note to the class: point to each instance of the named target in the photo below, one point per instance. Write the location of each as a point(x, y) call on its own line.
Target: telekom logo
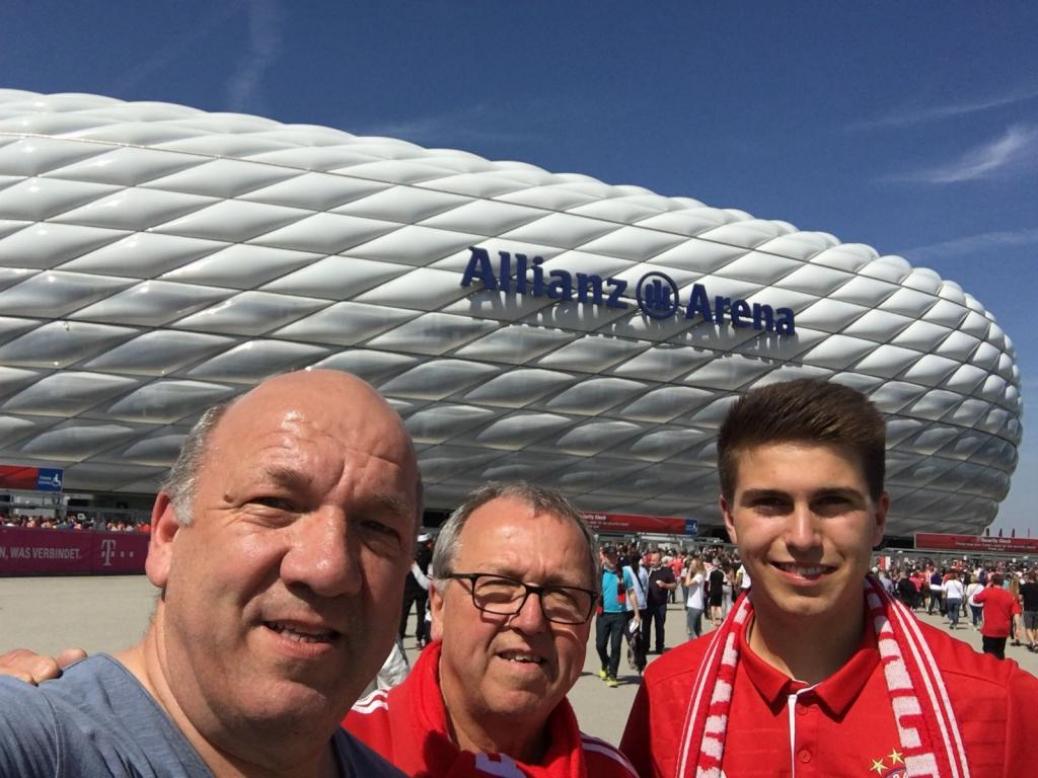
point(107, 550)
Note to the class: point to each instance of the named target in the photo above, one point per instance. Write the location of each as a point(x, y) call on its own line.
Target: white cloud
point(476, 123)
point(909, 116)
point(1017, 148)
point(985, 242)
point(264, 47)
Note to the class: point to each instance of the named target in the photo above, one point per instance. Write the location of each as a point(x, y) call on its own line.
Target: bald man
point(286, 524)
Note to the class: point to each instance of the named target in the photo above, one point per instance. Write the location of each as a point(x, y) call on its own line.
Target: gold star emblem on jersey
point(895, 757)
point(877, 766)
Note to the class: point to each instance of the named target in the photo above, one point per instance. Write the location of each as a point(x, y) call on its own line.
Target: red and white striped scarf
point(926, 724)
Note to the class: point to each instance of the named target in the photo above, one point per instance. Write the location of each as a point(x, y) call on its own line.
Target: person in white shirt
point(637, 606)
point(696, 602)
point(976, 609)
point(953, 595)
point(743, 578)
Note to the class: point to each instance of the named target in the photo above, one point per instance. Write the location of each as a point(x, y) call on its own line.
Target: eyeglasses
point(503, 596)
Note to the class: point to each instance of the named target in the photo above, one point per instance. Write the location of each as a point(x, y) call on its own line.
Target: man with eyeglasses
point(514, 586)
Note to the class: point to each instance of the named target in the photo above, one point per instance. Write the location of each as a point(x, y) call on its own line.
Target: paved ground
point(105, 614)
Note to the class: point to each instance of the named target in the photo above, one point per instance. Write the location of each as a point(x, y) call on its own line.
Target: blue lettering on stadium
point(657, 295)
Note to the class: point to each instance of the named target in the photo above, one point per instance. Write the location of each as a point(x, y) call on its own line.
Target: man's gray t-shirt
point(97, 720)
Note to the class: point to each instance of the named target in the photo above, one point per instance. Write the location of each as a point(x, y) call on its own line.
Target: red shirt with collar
point(408, 726)
point(843, 726)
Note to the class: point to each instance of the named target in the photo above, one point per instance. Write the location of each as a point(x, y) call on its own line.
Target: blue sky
point(912, 127)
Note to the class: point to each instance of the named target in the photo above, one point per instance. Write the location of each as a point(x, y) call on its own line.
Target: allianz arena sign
point(657, 294)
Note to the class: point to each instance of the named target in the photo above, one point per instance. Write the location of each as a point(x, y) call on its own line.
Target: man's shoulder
point(603, 759)
point(967, 671)
point(24, 705)
point(93, 685)
point(96, 718)
point(31, 740)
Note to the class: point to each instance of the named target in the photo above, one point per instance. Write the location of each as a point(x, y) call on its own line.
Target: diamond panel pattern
point(155, 259)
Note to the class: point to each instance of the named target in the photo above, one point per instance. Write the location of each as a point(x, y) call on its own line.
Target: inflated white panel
point(155, 259)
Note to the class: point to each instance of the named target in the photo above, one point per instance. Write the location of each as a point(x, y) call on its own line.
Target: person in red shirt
point(677, 566)
point(817, 671)
point(999, 608)
point(514, 584)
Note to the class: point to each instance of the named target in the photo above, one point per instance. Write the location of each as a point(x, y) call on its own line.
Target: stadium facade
point(155, 259)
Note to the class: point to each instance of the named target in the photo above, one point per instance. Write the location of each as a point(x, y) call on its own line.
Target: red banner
point(935, 541)
point(70, 552)
point(38, 479)
point(15, 477)
point(626, 522)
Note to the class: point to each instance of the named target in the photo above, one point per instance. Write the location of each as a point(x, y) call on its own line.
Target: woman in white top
point(695, 603)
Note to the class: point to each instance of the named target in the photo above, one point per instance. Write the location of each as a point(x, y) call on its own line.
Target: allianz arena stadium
point(155, 259)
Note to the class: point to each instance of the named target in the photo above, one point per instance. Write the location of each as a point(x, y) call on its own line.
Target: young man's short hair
point(806, 410)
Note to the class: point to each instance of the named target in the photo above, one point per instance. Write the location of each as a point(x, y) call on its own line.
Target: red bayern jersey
point(841, 726)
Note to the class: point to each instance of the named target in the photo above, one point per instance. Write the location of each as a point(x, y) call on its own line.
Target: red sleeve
point(637, 735)
point(1021, 726)
point(981, 595)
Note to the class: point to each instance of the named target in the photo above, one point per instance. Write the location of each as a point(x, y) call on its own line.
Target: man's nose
point(802, 532)
point(530, 618)
point(324, 554)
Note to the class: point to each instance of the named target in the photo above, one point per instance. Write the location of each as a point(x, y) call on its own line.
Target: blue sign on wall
point(691, 527)
point(49, 479)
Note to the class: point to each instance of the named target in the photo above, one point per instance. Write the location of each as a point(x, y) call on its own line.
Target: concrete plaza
point(108, 613)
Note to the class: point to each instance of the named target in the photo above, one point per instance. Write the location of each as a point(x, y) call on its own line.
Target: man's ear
point(729, 520)
point(881, 508)
point(164, 528)
point(436, 609)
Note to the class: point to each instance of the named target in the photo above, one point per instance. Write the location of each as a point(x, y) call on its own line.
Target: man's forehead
point(753, 462)
point(322, 404)
point(491, 527)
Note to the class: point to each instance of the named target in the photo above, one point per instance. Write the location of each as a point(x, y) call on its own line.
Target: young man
point(818, 671)
point(618, 589)
point(513, 592)
point(999, 608)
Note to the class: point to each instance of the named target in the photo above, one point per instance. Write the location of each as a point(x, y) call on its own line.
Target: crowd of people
point(706, 580)
point(711, 579)
point(998, 598)
point(285, 532)
point(73, 521)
